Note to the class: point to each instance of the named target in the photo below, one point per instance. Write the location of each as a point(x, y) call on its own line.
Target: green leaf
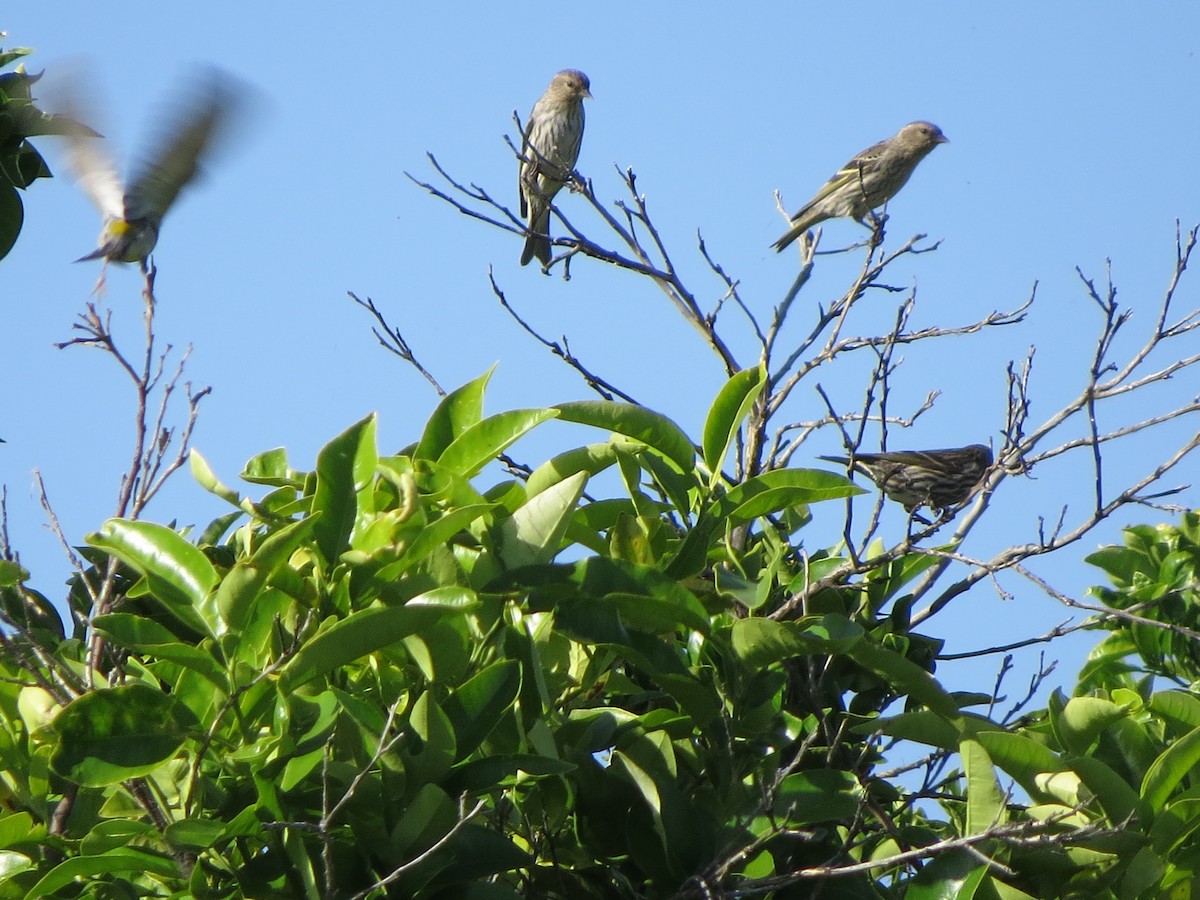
point(194, 834)
point(120, 859)
point(1118, 799)
point(345, 467)
point(485, 440)
point(271, 469)
point(479, 704)
point(651, 428)
point(781, 488)
point(950, 876)
point(1022, 757)
point(819, 795)
point(1083, 719)
point(1180, 708)
point(905, 677)
point(758, 496)
point(1177, 762)
point(458, 411)
point(12, 217)
point(985, 799)
point(179, 576)
point(590, 459)
point(435, 535)
point(532, 534)
point(243, 584)
point(734, 402)
point(372, 629)
point(110, 736)
point(500, 770)
point(13, 863)
point(760, 642)
point(146, 636)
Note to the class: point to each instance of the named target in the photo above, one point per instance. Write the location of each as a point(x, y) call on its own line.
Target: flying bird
point(133, 211)
point(868, 181)
point(549, 149)
point(939, 479)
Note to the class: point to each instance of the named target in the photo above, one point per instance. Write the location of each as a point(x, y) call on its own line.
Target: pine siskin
point(869, 180)
point(133, 214)
point(550, 147)
point(938, 479)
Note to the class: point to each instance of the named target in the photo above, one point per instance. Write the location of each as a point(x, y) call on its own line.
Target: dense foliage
point(379, 678)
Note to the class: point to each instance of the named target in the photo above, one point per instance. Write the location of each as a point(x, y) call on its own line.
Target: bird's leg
point(101, 286)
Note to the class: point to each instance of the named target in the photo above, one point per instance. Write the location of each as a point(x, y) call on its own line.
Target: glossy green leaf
point(590, 459)
point(760, 642)
point(271, 468)
point(370, 630)
point(905, 677)
point(1020, 756)
point(345, 467)
point(1083, 719)
point(985, 799)
point(1180, 708)
point(122, 859)
point(13, 863)
point(146, 636)
point(241, 586)
point(194, 834)
point(819, 795)
point(476, 707)
point(487, 439)
point(781, 488)
point(431, 759)
point(1118, 799)
point(950, 876)
point(110, 736)
point(533, 533)
point(179, 576)
point(734, 402)
point(651, 428)
point(435, 535)
point(1177, 762)
point(457, 411)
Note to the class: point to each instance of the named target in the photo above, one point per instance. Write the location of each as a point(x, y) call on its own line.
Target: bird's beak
point(942, 139)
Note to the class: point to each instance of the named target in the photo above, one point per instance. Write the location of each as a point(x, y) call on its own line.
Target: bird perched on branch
point(868, 181)
point(133, 211)
point(938, 479)
point(549, 149)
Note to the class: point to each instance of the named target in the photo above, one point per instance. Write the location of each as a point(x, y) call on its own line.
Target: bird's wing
point(90, 165)
point(849, 174)
point(184, 141)
point(96, 173)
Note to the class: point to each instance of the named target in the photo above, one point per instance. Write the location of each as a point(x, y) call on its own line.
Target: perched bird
point(938, 479)
point(549, 148)
point(133, 212)
point(868, 181)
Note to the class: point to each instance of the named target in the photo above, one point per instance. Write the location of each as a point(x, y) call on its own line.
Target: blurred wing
point(185, 140)
point(95, 172)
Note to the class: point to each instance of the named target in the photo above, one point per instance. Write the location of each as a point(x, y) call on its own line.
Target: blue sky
point(1073, 134)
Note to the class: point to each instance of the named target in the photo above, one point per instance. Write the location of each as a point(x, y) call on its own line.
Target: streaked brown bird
point(868, 181)
point(549, 149)
point(938, 479)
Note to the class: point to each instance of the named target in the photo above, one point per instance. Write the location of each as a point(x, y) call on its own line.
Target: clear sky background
point(1073, 133)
